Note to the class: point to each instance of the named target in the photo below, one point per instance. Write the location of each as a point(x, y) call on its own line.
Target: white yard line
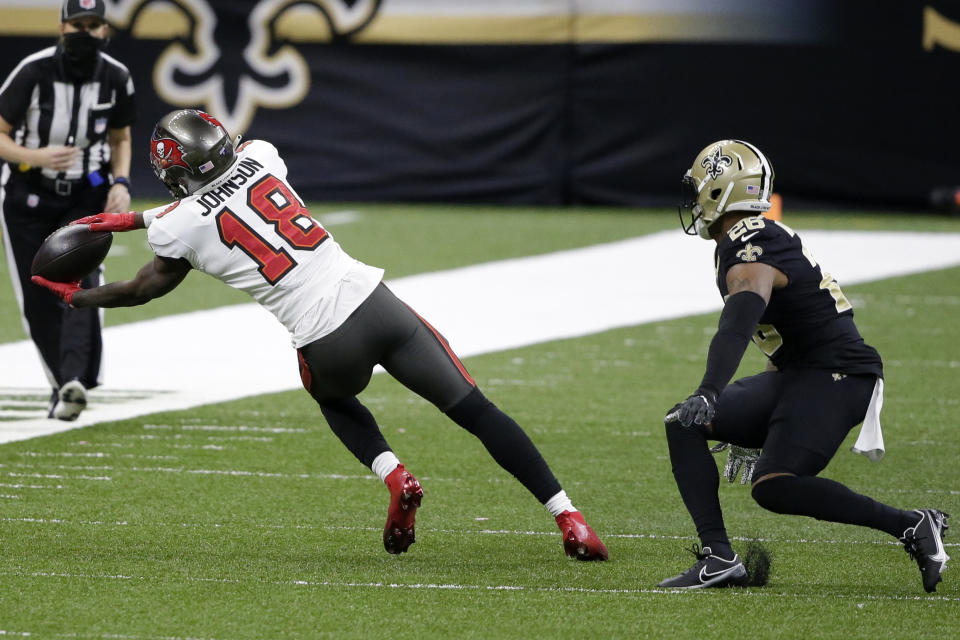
point(182, 361)
point(427, 586)
point(41, 522)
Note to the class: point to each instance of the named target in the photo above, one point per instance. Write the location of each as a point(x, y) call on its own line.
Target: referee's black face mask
point(80, 51)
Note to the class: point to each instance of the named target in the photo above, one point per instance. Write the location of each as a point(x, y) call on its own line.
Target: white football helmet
point(729, 175)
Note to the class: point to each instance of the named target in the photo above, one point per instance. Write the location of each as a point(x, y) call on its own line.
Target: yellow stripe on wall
point(155, 23)
point(309, 26)
point(664, 28)
point(29, 22)
point(387, 29)
point(301, 24)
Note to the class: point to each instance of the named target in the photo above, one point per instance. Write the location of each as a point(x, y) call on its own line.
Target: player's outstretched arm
point(156, 278)
point(113, 221)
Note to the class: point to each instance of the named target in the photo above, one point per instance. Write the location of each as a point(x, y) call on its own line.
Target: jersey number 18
point(273, 201)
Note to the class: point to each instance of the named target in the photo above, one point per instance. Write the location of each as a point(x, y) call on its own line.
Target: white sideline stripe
point(480, 309)
point(429, 586)
point(334, 218)
point(239, 473)
point(181, 436)
point(31, 486)
point(23, 403)
point(101, 636)
point(22, 414)
point(52, 476)
point(91, 454)
point(254, 474)
point(62, 467)
point(421, 529)
point(213, 427)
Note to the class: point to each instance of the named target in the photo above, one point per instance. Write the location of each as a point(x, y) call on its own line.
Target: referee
point(65, 116)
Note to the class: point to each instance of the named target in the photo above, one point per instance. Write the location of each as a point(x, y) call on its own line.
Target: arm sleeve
point(738, 320)
point(166, 245)
point(124, 111)
point(15, 96)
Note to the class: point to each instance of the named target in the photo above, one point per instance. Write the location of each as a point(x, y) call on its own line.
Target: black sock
point(698, 481)
point(826, 499)
point(507, 443)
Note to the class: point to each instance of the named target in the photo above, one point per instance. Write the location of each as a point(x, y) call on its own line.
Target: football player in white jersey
point(238, 219)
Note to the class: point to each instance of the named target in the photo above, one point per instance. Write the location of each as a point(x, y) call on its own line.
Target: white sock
point(559, 503)
point(384, 463)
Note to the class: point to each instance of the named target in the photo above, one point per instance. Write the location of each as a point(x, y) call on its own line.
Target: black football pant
point(68, 339)
point(799, 418)
point(385, 331)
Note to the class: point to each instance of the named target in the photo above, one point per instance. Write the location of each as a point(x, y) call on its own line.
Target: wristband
point(122, 180)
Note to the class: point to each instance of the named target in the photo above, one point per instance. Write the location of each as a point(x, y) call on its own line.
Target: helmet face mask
point(189, 149)
point(729, 175)
point(689, 209)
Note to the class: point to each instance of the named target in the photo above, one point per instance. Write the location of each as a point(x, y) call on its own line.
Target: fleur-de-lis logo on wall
point(750, 253)
point(939, 30)
point(715, 162)
point(269, 72)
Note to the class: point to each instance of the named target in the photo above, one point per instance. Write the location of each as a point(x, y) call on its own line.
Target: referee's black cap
point(73, 9)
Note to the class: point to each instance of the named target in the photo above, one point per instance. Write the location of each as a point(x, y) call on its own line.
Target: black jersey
point(809, 322)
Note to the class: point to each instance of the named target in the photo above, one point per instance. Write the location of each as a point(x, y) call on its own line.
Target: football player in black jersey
point(822, 382)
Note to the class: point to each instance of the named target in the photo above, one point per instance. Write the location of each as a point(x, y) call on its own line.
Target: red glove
point(64, 290)
point(110, 221)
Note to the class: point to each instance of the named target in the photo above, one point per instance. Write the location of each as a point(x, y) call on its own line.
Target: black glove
point(699, 408)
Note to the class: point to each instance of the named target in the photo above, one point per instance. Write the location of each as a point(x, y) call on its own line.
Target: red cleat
point(579, 540)
point(405, 496)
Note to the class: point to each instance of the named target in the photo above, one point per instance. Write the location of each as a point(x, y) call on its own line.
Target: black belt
point(59, 186)
point(63, 187)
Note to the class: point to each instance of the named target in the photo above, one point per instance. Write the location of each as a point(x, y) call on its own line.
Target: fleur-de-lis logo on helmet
point(715, 163)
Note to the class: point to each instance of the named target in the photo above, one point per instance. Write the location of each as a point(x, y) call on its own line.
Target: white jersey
point(249, 229)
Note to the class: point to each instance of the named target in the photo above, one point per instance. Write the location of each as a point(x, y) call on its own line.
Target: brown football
point(71, 252)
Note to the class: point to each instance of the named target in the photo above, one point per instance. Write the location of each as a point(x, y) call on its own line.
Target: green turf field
point(250, 520)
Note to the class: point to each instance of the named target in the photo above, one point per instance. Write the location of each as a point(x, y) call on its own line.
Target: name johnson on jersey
point(215, 198)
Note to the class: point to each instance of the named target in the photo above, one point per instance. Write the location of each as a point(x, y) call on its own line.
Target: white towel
point(870, 440)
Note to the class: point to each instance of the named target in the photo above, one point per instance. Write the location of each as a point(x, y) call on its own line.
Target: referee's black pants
point(68, 339)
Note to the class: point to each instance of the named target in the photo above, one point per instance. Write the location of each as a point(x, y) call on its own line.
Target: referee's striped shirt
point(45, 107)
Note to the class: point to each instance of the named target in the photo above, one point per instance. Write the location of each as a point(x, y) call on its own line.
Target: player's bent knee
point(772, 491)
point(468, 410)
point(673, 429)
point(677, 432)
point(768, 476)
